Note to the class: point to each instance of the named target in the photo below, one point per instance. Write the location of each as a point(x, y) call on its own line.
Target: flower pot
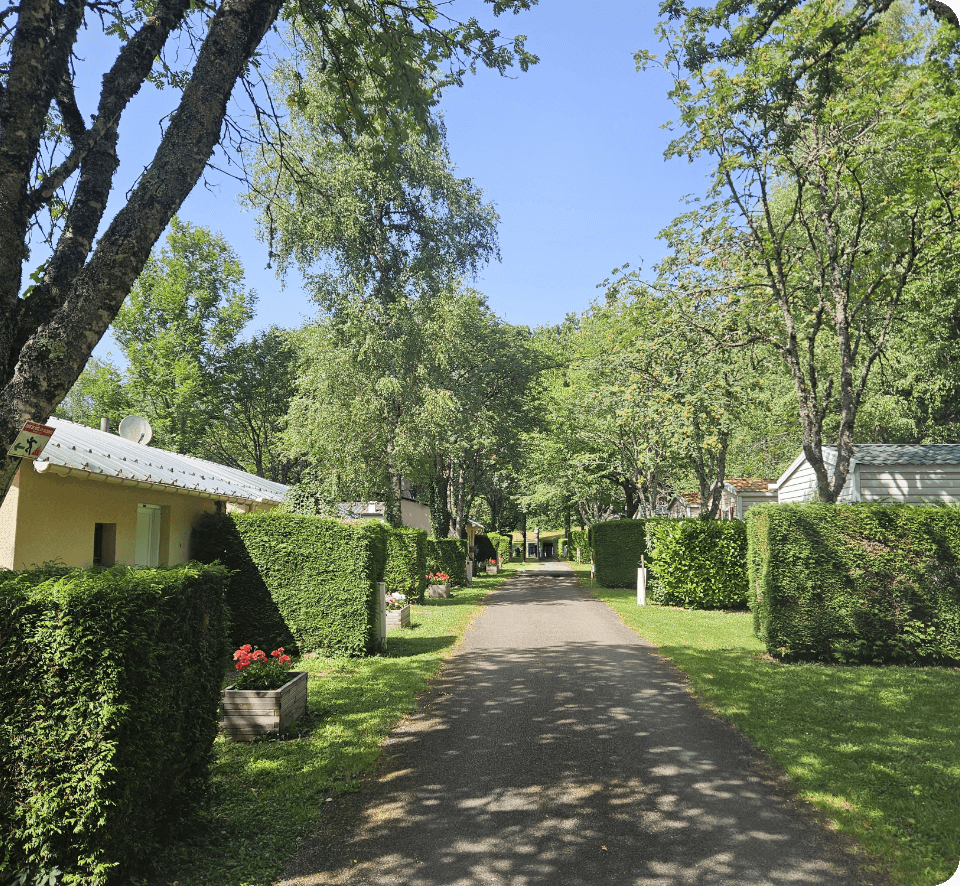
point(246, 714)
point(398, 618)
point(491, 570)
point(438, 591)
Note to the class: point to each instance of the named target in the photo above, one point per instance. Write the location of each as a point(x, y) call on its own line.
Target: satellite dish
point(136, 428)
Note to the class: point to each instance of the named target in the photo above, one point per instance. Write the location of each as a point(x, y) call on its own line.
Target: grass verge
point(268, 794)
point(877, 749)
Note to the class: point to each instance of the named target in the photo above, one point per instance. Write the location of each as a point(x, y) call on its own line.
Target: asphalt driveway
point(557, 747)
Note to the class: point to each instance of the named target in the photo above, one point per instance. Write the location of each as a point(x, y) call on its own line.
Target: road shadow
point(576, 762)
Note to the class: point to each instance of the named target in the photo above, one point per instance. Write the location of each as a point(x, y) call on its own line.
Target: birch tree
point(835, 186)
point(58, 164)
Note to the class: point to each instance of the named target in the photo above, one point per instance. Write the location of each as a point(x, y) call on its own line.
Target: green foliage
point(205, 392)
point(486, 549)
point(109, 693)
point(503, 544)
point(617, 546)
point(185, 311)
point(406, 566)
point(305, 578)
point(580, 538)
point(254, 616)
point(354, 703)
point(431, 390)
point(448, 555)
point(856, 583)
point(826, 217)
point(358, 221)
point(100, 392)
point(699, 564)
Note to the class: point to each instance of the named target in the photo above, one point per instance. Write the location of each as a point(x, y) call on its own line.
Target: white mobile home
point(742, 493)
point(897, 472)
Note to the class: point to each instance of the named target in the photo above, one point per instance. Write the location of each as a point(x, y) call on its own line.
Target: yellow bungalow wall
point(48, 517)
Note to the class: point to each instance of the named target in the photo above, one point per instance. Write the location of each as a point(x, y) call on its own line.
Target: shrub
point(109, 689)
point(485, 548)
point(448, 555)
point(579, 538)
point(315, 577)
point(699, 564)
point(617, 546)
point(406, 567)
point(856, 583)
point(503, 545)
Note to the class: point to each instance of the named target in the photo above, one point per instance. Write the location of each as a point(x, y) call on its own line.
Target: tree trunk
point(458, 504)
point(54, 348)
point(439, 508)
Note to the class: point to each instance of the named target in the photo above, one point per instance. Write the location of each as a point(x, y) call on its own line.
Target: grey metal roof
point(103, 456)
point(904, 453)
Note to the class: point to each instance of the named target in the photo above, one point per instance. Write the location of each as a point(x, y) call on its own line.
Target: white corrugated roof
point(76, 449)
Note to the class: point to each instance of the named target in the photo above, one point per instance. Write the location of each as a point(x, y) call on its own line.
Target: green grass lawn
point(877, 749)
point(267, 794)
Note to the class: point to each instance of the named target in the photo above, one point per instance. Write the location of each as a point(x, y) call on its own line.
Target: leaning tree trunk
point(63, 319)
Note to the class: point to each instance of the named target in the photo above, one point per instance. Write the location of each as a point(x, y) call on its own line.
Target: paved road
point(558, 748)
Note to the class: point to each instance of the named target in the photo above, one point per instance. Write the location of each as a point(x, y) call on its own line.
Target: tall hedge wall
point(312, 578)
point(856, 583)
point(699, 564)
point(617, 546)
point(109, 689)
point(406, 566)
point(448, 555)
point(486, 550)
point(503, 545)
point(580, 538)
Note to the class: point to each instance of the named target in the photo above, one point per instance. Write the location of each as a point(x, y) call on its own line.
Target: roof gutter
point(44, 467)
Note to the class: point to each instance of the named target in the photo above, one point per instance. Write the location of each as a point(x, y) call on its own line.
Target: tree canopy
point(58, 165)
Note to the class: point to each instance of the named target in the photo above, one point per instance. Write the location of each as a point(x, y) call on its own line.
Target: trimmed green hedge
point(109, 693)
point(448, 555)
point(699, 564)
point(503, 545)
point(617, 546)
point(869, 584)
point(406, 567)
point(485, 548)
point(311, 577)
point(580, 538)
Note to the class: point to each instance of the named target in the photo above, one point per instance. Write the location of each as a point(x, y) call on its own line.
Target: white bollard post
point(382, 620)
point(641, 584)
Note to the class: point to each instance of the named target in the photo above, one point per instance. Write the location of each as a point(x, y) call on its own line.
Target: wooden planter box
point(246, 714)
point(398, 618)
point(437, 591)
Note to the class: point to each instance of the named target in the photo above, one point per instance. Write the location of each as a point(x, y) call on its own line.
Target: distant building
point(412, 513)
point(684, 504)
point(742, 493)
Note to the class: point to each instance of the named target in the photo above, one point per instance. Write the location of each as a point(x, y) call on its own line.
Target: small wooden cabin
point(684, 504)
point(742, 493)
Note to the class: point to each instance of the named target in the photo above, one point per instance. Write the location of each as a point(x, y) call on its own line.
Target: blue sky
point(571, 153)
